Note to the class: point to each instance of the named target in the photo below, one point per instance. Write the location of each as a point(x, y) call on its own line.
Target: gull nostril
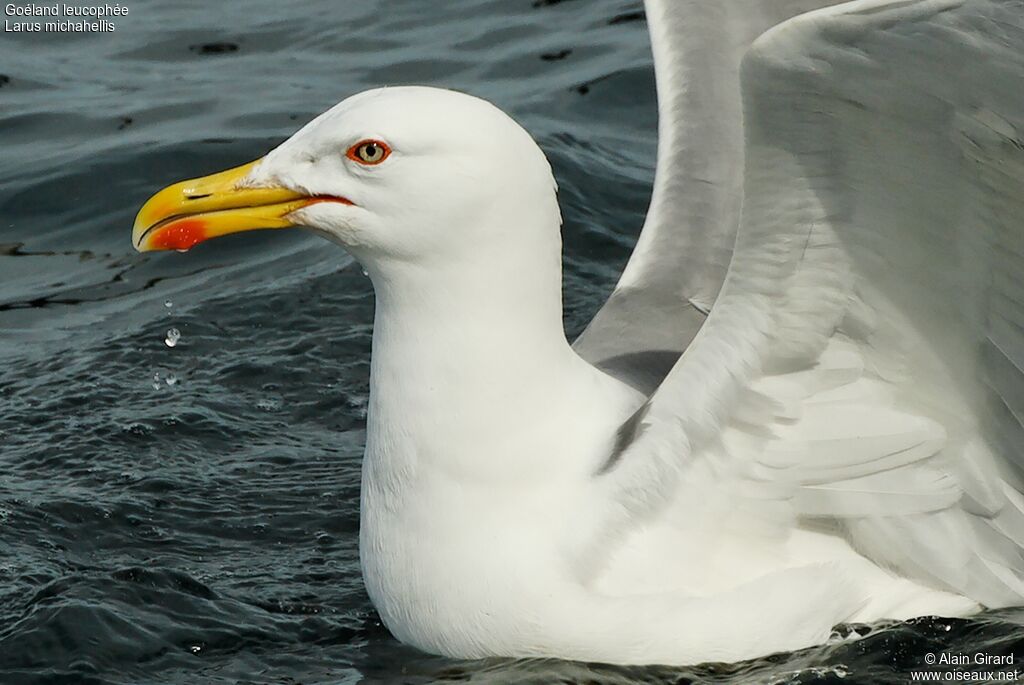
point(197, 197)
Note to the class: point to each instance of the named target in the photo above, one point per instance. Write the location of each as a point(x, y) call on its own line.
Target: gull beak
point(187, 213)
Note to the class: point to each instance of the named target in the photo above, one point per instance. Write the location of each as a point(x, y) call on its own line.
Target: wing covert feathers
point(863, 364)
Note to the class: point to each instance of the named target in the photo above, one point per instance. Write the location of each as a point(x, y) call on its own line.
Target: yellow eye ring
point(369, 152)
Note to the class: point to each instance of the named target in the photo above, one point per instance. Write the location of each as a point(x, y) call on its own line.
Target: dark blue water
point(190, 514)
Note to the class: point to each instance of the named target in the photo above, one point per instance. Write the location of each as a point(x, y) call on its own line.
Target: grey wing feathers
point(900, 124)
point(864, 360)
point(683, 252)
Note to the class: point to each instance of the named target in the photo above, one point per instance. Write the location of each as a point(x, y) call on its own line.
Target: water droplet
point(173, 336)
point(195, 649)
point(168, 304)
point(156, 381)
point(171, 379)
point(366, 273)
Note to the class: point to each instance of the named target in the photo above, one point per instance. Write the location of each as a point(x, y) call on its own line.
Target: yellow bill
point(187, 213)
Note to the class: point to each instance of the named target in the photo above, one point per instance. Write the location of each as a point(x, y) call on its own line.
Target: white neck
point(468, 353)
point(454, 346)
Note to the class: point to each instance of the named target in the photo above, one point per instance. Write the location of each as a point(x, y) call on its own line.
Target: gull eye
point(369, 152)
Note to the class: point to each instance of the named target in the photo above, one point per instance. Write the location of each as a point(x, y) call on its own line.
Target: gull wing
point(863, 365)
point(683, 252)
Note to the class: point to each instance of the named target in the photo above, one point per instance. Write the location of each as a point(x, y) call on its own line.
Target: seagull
point(802, 404)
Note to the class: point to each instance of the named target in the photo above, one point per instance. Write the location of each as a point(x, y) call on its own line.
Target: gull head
point(403, 174)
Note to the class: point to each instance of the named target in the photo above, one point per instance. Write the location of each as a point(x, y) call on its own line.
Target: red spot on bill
point(179, 235)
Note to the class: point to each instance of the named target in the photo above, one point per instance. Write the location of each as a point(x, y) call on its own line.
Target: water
point(187, 513)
